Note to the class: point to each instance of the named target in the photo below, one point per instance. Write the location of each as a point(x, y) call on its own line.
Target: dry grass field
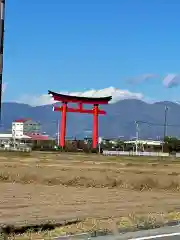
point(95, 189)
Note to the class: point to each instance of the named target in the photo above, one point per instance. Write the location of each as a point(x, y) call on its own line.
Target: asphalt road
point(164, 233)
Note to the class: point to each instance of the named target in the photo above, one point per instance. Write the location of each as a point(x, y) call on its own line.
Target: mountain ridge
point(119, 121)
point(122, 100)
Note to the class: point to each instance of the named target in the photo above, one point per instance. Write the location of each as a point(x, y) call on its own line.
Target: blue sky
point(76, 45)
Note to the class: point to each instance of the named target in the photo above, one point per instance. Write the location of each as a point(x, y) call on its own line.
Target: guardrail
point(131, 153)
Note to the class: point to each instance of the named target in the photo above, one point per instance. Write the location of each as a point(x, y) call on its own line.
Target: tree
point(120, 145)
point(171, 144)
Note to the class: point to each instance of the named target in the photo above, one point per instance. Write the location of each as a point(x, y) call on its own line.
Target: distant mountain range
point(119, 121)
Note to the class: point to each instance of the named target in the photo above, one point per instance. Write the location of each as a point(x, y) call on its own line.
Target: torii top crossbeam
point(77, 99)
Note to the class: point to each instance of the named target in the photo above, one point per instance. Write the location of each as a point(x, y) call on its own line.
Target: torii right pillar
point(95, 125)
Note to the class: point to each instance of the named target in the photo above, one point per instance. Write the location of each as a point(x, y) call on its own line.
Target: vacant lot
point(55, 187)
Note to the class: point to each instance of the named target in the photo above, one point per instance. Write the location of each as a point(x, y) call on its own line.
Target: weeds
point(99, 227)
point(173, 174)
point(142, 184)
point(145, 184)
point(5, 177)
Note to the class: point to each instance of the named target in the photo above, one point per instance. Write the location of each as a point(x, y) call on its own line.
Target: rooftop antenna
point(2, 11)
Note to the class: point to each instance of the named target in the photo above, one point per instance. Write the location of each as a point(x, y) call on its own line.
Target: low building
point(8, 142)
point(41, 141)
point(9, 136)
point(144, 145)
point(26, 131)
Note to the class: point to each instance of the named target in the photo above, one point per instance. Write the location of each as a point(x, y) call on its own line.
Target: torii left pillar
point(62, 129)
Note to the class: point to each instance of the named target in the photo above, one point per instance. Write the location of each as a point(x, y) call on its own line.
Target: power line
point(158, 124)
point(2, 10)
point(165, 121)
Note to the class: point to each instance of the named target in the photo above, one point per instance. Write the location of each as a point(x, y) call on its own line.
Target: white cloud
point(171, 80)
point(142, 78)
point(116, 93)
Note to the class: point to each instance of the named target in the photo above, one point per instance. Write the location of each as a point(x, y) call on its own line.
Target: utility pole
point(165, 121)
point(165, 126)
point(58, 133)
point(2, 13)
point(137, 136)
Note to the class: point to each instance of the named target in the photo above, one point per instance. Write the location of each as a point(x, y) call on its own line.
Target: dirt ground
point(55, 187)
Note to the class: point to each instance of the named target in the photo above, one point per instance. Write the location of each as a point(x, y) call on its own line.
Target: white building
point(23, 127)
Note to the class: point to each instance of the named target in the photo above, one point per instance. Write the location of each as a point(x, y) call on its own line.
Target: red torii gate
point(65, 99)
